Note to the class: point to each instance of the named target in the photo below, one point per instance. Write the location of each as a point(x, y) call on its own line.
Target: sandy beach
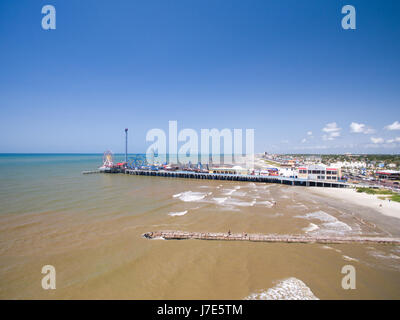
point(385, 207)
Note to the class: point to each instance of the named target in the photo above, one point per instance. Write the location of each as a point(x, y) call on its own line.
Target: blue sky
point(283, 68)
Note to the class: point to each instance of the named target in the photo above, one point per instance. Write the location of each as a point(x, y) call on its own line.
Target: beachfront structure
point(319, 172)
point(238, 177)
point(108, 162)
point(269, 172)
point(229, 170)
point(288, 172)
point(388, 174)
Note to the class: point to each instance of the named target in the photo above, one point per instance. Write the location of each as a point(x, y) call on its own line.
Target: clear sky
point(284, 68)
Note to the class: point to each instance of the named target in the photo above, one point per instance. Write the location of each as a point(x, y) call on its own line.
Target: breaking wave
point(347, 258)
point(190, 196)
point(287, 289)
point(311, 227)
point(220, 200)
point(174, 214)
point(330, 225)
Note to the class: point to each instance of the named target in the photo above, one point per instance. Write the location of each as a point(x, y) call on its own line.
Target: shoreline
point(384, 207)
point(364, 206)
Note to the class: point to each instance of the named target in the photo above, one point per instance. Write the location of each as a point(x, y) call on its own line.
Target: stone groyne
point(184, 235)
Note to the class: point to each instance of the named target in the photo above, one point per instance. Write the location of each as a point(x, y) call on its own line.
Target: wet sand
point(385, 214)
point(385, 207)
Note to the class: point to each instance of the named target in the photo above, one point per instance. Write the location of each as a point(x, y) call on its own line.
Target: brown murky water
point(90, 231)
point(89, 228)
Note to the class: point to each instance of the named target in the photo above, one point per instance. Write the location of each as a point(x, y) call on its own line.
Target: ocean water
point(89, 228)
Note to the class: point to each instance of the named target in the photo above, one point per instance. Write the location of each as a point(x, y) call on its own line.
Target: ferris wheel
point(108, 159)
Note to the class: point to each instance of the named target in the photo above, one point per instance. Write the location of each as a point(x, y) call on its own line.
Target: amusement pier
point(308, 173)
point(235, 177)
point(215, 173)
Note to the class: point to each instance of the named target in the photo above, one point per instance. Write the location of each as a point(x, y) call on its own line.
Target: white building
point(349, 164)
point(320, 172)
point(288, 172)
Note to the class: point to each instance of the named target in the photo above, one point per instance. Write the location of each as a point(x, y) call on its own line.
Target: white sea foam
point(311, 227)
point(336, 227)
point(228, 192)
point(177, 195)
point(298, 206)
point(240, 193)
point(330, 225)
point(396, 249)
point(229, 208)
point(190, 196)
point(330, 248)
point(386, 259)
point(220, 200)
point(173, 214)
point(275, 215)
point(287, 289)
point(268, 204)
point(319, 215)
point(235, 202)
point(383, 255)
point(347, 258)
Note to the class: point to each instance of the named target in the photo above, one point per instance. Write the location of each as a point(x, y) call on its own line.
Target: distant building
point(313, 158)
point(320, 172)
point(388, 174)
point(349, 164)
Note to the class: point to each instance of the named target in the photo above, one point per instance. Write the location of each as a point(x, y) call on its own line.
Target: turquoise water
point(33, 182)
